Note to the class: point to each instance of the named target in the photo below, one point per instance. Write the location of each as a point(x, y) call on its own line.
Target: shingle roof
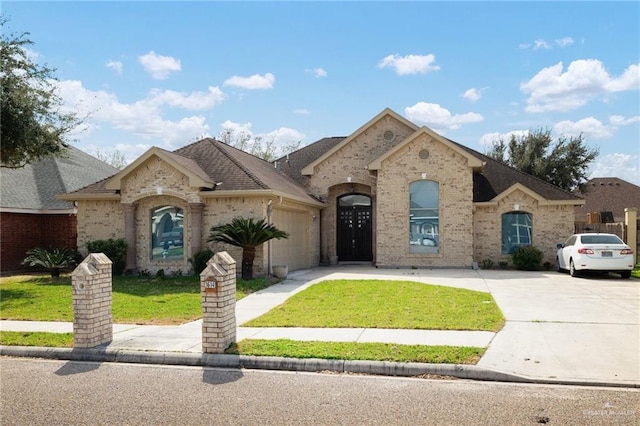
point(495, 177)
point(34, 186)
point(608, 194)
point(232, 168)
point(293, 164)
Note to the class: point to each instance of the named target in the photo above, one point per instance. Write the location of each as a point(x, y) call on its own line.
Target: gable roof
point(488, 183)
point(212, 166)
point(608, 194)
point(197, 177)
point(309, 169)
point(35, 186)
point(472, 161)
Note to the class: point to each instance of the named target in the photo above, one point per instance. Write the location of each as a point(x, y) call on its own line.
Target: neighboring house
point(607, 198)
point(391, 193)
point(31, 216)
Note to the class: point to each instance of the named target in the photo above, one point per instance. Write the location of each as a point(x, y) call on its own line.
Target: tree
point(247, 234)
point(33, 125)
point(563, 164)
point(113, 158)
point(256, 145)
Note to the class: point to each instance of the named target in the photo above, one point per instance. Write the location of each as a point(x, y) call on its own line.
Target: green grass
point(636, 272)
point(385, 304)
point(136, 300)
point(359, 351)
point(30, 338)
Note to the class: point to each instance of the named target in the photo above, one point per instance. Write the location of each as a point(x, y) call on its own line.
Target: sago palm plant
point(247, 234)
point(54, 259)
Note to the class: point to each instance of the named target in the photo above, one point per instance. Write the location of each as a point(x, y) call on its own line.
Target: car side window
point(571, 241)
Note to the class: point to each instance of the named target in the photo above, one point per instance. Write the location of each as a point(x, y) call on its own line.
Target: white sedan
point(595, 252)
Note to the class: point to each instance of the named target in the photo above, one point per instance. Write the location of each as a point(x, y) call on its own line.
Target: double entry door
point(354, 228)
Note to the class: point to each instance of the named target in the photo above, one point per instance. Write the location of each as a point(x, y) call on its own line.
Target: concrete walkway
point(558, 328)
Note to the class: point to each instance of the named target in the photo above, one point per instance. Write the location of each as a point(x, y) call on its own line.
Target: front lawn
point(385, 304)
point(136, 299)
point(359, 351)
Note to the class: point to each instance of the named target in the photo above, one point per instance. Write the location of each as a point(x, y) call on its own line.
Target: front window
point(424, 218)
point(167, 233)
point(516, 231)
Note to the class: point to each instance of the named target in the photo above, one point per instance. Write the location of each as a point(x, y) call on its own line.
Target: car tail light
point(585, 251)
point(626, 251)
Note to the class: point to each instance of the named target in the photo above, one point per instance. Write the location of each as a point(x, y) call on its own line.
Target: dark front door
point(354, 228)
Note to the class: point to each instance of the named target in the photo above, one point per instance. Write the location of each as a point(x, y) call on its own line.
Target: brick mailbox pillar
point(218, 290)
point(92, 320)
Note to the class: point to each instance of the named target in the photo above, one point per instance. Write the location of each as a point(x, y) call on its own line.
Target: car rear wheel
point(572, 269)
point(625, 274)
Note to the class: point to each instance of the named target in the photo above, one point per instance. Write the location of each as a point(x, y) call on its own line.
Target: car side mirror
point(559, 245)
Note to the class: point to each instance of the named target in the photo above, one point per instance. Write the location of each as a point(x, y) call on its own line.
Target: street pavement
point(558, 329)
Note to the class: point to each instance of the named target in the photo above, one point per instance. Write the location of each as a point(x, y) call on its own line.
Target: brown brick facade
point(22, 231)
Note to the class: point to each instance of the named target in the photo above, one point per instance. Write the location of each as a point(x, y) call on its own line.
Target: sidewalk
point(188, 337)
point(558, 330)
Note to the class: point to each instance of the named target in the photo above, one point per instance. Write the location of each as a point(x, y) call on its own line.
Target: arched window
point(167, 233)
point(516, 231)
point(424, 217)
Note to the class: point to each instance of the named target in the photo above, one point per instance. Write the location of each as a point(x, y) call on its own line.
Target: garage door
point(293, 251)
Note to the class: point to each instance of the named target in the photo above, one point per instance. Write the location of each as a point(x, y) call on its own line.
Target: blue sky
point(168, 73)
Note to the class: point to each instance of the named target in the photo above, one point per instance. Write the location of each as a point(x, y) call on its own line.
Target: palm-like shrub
point(247, 234)
point(54, 259)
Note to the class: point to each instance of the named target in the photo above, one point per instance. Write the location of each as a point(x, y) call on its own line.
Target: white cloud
point(191, 101)
point(284, 136)
point(255, 81)
point(553, 89)
point(623, 166)
point(410, 64)
point(543, 44)
point(437, 117)
point(115, 65)
point(540, 44)
point(317, 72)
point(472, 94)
point(589, 127)
point(488, 139)
point(564, 42)
point(301, 111)
point(145, 117)
point(619, 120)
point(159, 66)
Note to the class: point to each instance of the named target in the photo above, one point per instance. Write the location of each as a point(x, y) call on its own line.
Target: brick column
point(130, 234)
point(195, 211)
point(92, 320)
point(218, 291)
point(630, 219)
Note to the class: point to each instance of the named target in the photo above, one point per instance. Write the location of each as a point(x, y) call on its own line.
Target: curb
point(311, 365)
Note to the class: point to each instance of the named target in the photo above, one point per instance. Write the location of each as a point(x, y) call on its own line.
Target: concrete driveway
point(557, 327)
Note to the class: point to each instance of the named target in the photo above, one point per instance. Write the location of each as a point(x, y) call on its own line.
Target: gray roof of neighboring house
point(34, 186)
point(608, 194)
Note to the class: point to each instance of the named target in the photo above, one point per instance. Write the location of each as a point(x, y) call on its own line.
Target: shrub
point(527, 258)
point(503, 264)
point(200, 259)
point(53, 259)
point(114, 249)
point(486, 264)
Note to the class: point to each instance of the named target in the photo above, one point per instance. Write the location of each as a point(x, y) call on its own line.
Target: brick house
point(31, 216)
point(391, 193)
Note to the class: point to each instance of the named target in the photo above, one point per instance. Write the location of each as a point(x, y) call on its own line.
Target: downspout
point(269, 215)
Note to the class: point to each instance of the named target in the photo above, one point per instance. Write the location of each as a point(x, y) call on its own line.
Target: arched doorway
point(354, 228)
